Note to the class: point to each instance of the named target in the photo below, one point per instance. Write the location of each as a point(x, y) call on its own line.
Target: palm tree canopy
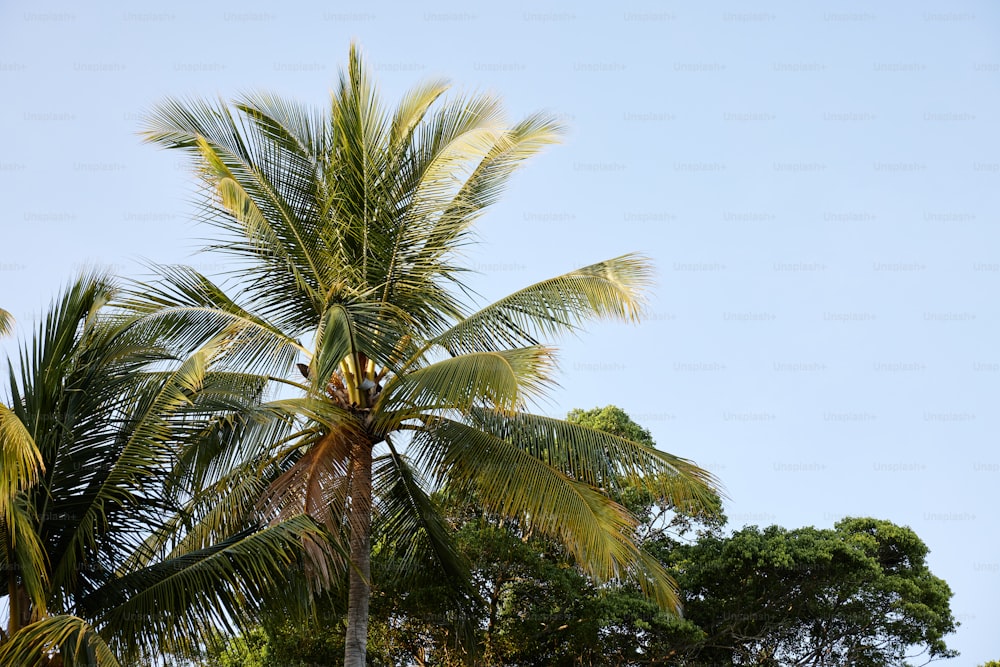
point(110, 551)
point(345, 227)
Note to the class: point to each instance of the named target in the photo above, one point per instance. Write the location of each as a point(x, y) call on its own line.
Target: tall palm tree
point(110, 553)
point(345, 226)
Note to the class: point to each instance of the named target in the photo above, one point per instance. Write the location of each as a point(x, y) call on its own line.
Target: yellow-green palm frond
point(602, 459)
point(611, 289)
point(412, 109)
point(6, 323)
point(71, 638)
point(21, 463)
point(23, 553)
point(503, 380)
point(510, 482)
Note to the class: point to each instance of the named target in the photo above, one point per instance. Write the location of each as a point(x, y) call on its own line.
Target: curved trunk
point(359, 573)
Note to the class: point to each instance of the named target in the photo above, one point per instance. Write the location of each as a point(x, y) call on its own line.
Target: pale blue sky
point(816, 184)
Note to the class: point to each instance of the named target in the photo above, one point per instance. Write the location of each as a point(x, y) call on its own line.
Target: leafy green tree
point(346, 224)
point(543, 610)
point(539, 608)
point(612, 419)
point(859, 594)
point(661, 518)
point(109, 555)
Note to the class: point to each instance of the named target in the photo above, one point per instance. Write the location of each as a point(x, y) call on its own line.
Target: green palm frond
point(232, 439)
point(503, 380)
point(189, 310)
point(510, 482)
point(609, 289)
point(142, 448)
point(353, 331)
point(288, 123)
point(23, 553)
point(252, 199)
point(71, 638)
point(601, 459)
point(411, 526)
point(175, 603)
point(222, 510)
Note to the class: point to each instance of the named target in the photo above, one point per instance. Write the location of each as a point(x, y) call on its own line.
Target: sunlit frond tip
point(57, 640)
point(6, 323)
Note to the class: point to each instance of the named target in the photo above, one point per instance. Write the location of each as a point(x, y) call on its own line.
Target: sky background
point(817, 186)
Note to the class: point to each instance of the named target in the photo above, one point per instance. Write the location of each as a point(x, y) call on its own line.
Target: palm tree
point(108, 543)
point(345, 226)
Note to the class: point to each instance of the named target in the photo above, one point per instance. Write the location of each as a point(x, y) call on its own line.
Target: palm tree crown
point(345, 225)
point(109, 545)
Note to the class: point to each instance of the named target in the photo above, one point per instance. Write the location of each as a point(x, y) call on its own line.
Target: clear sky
point(816, 183)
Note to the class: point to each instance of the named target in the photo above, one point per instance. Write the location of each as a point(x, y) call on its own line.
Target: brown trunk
point(20, 605)
point(359, 574)
point(13, 624)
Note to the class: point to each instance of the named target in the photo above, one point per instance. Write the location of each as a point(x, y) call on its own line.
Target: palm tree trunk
point(13, 623)
point(359, 575)
point(20, 606)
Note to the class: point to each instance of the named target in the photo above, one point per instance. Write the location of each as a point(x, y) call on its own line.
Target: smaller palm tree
point(109, 543)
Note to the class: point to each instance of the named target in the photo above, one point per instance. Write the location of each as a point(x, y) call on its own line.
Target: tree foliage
point(858, 594)
point(534, 605)
point(110, 555)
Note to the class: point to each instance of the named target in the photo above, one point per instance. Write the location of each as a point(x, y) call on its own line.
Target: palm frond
point(503, 380)
point(412, 526)
point(230, 440)
point(6, 323)
point(456, 208)
point(23, 555)
point(71, 638)
point(609, 289)
point(412, 109)
point(189, 310)
point(176, 603)
point(21, 464)
point(260, 186)
point(602, 459)
point(510, 482)
point(351, 331)
point(143, 449)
